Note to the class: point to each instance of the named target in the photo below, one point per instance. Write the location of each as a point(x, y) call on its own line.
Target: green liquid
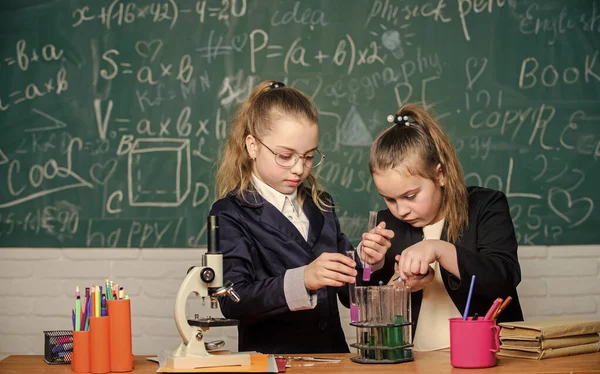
point(371, 352)
point(397, 338)
point(386, 340)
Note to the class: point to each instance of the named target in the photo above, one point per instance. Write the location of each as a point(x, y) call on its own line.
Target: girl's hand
point(329, 269)
point(415, 259)
point(419, 282)
point(416, 283)
point(375, 244)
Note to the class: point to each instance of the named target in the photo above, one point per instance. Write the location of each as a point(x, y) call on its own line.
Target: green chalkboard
point(112, 113)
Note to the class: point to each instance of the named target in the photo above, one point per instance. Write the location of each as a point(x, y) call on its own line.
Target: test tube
point(407, 308)
point(397, 333)
point(352, 293)
point(387, 317)
point(367, 267)
point(374, 316)
point(362, 333)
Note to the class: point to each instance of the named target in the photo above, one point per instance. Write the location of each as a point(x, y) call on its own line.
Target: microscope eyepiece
point(213, 234)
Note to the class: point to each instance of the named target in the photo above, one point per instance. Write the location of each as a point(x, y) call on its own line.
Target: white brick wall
point(37, 287)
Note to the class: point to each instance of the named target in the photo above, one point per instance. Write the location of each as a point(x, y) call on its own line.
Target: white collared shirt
point(287, 204)
point(296, 295)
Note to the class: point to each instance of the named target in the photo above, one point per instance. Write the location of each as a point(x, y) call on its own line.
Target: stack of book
point(549, 338)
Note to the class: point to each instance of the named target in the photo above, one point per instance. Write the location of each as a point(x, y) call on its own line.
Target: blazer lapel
point(416, 234)
point(315, 219)
point(272, 217)
point(444, 235)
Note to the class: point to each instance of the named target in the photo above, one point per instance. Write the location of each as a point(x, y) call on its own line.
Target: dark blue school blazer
point(487, 248)
point(259, 244)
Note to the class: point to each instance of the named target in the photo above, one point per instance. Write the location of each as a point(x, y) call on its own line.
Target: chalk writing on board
point(27, 185)
point(113, 121)
point(143, 191)
point(551, 24)
point(118, 13)
point(60, 220)
point(354, 130)
point(32, 91)
point(533, 74)
point(469, 8)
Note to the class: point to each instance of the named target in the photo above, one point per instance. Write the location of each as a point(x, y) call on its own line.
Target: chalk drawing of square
point(159, 172)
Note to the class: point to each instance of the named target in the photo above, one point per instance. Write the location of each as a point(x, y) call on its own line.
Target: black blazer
point(487, 248)
point(259, 244)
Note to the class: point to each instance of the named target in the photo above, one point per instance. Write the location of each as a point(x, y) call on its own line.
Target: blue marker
point(466, 314)
point(62, 347)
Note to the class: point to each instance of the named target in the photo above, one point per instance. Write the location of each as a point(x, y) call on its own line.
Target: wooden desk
point(425, 362)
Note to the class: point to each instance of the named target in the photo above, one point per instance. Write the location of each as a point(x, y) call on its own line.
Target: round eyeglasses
point(288, 160)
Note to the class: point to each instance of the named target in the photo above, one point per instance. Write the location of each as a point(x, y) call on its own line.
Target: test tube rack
point(383, 324)
point(382, 343)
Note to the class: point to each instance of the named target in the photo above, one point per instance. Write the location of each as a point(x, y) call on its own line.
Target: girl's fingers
point(339, 268)
point(366, 251)
point(370, 255)
point(376, 241)
point(338, 257)
point(401, 260)
point(406, 266)
point(336, 279)
point(385, 234)
point(415, 267)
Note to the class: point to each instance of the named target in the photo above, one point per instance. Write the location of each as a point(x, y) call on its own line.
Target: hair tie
point(276, 84)
point(400, 120)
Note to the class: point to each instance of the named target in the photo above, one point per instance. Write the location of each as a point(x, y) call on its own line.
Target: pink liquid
point(353, 313)
point(367, 274)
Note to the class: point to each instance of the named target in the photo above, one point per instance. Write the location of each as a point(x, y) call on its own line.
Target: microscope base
point(211, 360)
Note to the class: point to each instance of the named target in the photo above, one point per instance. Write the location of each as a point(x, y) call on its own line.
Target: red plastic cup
point(473, 344)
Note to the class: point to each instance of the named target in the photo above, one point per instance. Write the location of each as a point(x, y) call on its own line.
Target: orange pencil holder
point(80, 360)
point(99, 345)
point(121, 354)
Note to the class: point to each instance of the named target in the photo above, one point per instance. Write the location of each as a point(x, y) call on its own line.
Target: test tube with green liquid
point(397, 333)
point(387, 317)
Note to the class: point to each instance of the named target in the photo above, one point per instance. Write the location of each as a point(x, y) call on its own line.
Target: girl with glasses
point(279, 233)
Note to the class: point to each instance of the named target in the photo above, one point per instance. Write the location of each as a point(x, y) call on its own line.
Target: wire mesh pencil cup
point(58, 346)
point(384, 326)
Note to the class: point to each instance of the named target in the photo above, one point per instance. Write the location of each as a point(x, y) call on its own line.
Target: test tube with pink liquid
point(367, 267)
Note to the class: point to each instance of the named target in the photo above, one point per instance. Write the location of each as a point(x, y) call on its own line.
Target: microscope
point(204, 281)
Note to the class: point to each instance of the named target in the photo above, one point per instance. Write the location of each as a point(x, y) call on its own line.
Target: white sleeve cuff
point(374, 267)
point(296, 295)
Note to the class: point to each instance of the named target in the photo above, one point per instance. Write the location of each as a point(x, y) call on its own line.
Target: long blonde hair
point(254, 117)
point(420, 147)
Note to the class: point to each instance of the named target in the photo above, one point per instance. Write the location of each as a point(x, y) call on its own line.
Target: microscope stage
point(213, 322)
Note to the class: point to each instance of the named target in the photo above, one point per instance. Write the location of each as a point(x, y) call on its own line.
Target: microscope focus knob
point(207, 275)
point(233, 295)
